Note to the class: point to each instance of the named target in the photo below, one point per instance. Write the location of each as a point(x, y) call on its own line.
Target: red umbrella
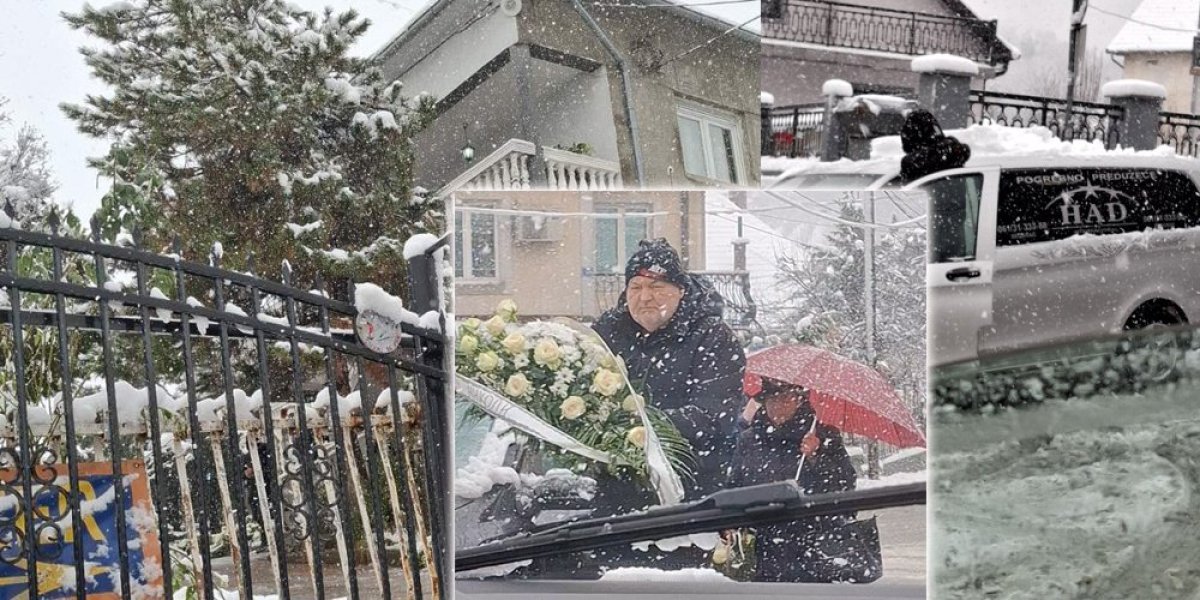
point(846, 395)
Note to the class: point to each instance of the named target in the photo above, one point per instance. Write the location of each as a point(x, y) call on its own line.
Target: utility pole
point(1078, 38)
point(869, 321)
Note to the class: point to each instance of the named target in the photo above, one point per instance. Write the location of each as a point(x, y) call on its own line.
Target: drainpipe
point(626, 89)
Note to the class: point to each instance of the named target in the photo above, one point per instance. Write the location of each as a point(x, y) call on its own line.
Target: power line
point(710, 40)
point(1110, 13)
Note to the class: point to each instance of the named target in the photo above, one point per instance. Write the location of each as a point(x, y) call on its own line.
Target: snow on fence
point(1089, 120)
point(153, 470)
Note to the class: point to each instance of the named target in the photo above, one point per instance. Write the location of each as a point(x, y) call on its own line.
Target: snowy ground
point(1073, 499)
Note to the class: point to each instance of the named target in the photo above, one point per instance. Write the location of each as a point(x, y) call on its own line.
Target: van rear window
point(1041, 205)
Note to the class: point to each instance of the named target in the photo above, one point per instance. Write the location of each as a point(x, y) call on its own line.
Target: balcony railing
point(508, 168)
point(881, 29)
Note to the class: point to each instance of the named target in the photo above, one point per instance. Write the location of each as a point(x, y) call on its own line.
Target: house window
point(711, 144)
point(617, 236)
point(474, 245)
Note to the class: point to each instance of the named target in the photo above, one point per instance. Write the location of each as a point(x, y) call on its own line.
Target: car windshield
point(614, 379)
point(1070, 470)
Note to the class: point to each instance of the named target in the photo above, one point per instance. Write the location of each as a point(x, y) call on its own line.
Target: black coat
point(767, 454)
point(926, 149)
point(692, 370)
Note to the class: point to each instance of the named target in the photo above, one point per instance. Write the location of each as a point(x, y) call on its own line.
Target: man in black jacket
point(667, 328)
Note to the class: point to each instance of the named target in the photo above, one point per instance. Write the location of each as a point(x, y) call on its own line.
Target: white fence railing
point(508, 168)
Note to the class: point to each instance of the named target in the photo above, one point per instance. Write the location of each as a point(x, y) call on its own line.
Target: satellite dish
point(510, 8)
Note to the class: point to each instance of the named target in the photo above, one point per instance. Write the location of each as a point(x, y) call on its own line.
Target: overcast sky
point(1048, 22)
point(40, 66)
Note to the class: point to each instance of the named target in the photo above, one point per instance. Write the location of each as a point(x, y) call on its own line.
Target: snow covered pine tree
point(246, 123)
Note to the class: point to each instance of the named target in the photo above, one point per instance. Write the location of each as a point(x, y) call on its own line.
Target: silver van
point(1027, 251)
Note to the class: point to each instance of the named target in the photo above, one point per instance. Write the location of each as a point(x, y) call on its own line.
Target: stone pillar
point(833, 141)
point(1141, 102)
point(944, 88)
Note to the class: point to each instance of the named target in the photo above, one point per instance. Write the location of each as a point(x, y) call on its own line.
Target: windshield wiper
point(727, 509)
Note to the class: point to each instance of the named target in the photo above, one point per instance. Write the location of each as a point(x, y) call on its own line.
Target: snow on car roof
point(998, 145)
point(1158, 26)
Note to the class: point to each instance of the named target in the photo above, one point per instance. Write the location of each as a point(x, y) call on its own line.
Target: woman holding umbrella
point(783, 441)
point(802, 400)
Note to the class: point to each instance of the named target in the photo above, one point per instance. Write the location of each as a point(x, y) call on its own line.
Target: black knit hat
point(656, 259)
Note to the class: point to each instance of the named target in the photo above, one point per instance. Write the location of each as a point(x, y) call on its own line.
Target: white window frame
point(621, 210)
point(710, 116)
point(464, 213)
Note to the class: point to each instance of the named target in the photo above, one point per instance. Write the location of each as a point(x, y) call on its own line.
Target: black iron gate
point(127, 424)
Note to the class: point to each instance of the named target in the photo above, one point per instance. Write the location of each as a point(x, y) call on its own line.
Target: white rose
point(517, 385)
point(608, 361)
point(495, 326)
point(720, 554)
point(468, 344)
point(487, 362)
point(607, 382)
point(637, 436)
point(572, 408)
point(633, 402)
point(546, 353)
point(472, 324)
point(507, 310)
point(514, 344)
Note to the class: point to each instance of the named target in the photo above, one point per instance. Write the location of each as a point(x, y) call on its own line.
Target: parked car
point(1026, 251)
point(1038, 241)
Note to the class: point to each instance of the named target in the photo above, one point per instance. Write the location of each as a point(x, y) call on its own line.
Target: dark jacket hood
point(920, 129)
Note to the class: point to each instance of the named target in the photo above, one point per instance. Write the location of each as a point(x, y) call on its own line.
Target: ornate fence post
point(425, 288)
point(1141, 101)
point(833, 143)
point(945, 87)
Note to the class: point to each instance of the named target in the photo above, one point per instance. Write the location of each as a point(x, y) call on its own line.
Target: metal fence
point(881, 29)
point(794, 130)
point(1089, 121)
point(161, 472)
point(734, 287)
